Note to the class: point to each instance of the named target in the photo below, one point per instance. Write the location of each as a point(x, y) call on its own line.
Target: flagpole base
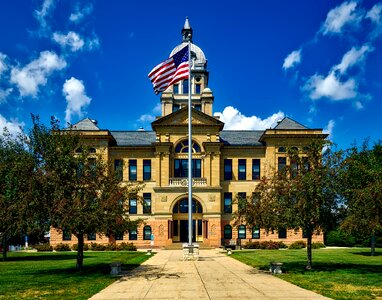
point(190, 252)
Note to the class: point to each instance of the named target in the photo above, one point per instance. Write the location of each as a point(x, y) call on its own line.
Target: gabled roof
point(85, 124)
point(134, 138)
point(241, 137)
point(290, 124)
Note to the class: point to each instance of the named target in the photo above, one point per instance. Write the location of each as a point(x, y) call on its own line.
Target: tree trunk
point(4, 245)
point(372, 244)
point(309, 251)
point(80, 252)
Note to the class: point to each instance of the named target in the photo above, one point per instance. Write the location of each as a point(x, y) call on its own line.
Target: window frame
point(282, 233)
point(133, 236)
point(66, 235)
point(146, 235)
point(242, 169)
point(147, 174)
point(131, 212)
point(133, 170)
point(118, 169)
point(240, 234)
point(147, 199)
point(227, 208)
point(256, 164)
point(256, 232)
point(227, 165)
point(227, 232)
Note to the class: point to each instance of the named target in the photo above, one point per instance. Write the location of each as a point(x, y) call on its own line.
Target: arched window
point(92, 150)
point(79, 150)
point(147, 233)
point(181, 207)
point(242, 232)
point(255, 232)
point(282, 149)
point(228, 232)
point(182, 147)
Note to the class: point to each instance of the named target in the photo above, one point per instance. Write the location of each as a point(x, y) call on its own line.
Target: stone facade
point(158, 159)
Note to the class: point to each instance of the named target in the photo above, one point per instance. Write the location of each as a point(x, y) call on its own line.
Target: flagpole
point(189, 149)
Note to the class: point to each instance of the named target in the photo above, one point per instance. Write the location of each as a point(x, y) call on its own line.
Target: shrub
point(265, 245)
point(126, 247)
point(43, 247)
point(62, 247)
point(75, 247)
point(297, 245)
point(317, 245)
point(111, 247)
point(97, 247)
point(340, 238)
point(252, 245)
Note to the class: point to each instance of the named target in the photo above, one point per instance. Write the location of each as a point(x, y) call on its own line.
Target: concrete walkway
point(214, 276)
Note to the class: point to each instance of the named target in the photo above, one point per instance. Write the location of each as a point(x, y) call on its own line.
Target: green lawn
point(337, 273)
point(53, 275)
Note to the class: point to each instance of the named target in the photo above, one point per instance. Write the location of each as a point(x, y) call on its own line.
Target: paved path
point(214, 276)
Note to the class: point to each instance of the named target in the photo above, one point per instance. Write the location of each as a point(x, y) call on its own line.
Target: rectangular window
point(200, 227)
point(241, 232)
point(198, 107)
point(293, 168)
point(147, 203)
point(133, 206)
point(119, 236)
point(228, 203)
point(305, 163)
point(175, 107)
point(242, 200)
point(91, 236)
point(146, 169)
point(282, 233)
point(176, 88)
point(242, 169)
point(92, 166)
point(133, 234)
point(132, 169)
point(181, 168)
point(255, 232)
point(197, 88)
point(255, 169)
point(185, 87)
point(281, 164)
point(118, 169)
point(175, 227)
point(228, 169)
point(66, 235)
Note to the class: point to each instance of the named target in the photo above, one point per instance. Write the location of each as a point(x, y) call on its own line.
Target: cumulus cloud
point(235, 120)
point(374, 14)
point(13, 126)
point(344, 15)
point(329, 128)
point(148, 118)
point(353, 57)
point(80, 13)
point(71, 40)
point(3, 63)
point(4, 93)
point(42, 15)
point(76, 98)
point(35, 74)
point(293, 59)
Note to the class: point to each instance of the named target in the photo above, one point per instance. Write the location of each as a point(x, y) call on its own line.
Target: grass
point(53, 275)
point(349, 273)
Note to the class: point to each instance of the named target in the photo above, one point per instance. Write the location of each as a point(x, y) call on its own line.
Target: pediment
point(180, 118)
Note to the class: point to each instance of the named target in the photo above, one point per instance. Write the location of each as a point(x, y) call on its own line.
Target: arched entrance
point(180, 221)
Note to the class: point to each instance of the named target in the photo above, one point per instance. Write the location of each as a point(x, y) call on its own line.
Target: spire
point(187, 31)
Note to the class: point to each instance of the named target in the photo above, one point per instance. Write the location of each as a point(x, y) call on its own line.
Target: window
point(197, 88)
point(146, 203)
point(146, 169)
point(92, 150)
point(200, 227)
point(132, 169)
point(242, 169)
point(147, 233)
point(198, 107)
point(281, 164)
point(185, 87)
point(91, 236)
point(181, 168)
point(133, 206)
point(118, 169)
point(304, 234)
point(79, 150)
point(242, 200)
point(176, 88)
point(228, 203)
point(305, 163)
point(133, 234)
point(228, 169)
point(119, 236)
point(66, 235)
point(182, 147)
point(92, 167)
point(255, 232)
point(255, 169)
point(293, 168)
point(175, 107)
point(242, 232)
point(282, 149)
point(228, 232)
point(182, 207)
point(282, 233)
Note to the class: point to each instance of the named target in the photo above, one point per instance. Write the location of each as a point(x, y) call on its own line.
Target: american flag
point(170, 71)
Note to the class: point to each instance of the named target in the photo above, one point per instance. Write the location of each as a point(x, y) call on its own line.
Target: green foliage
point(127, 247)
point(62, 247)
point(97, 247)
point(75, 247)
point(340, 238)
point(297, 245)
point(43, 247)
point(268, 245)
point(318, 245)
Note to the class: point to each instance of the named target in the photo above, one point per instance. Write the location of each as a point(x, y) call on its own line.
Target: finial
point(186, 24)
point(187, 31)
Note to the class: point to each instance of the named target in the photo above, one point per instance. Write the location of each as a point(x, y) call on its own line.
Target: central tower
point(176, 96)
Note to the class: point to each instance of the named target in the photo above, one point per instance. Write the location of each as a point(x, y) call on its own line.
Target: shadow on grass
point(364, 253)
point(42, 256)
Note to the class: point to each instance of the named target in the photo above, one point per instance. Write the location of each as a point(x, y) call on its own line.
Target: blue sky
point(318, 62)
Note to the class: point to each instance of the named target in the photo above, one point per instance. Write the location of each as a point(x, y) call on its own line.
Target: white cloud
point(3, 63)
point(29, 78)
point(358, 105)
point(374, 14)
point(292, 59)
point(71, 40)
point(41, 15)
point(353, 57)
point(341, 16)
point(79, 14)
point(4, 93)
point(76, 98)
point(331, 87)
point(14, 127)
point(329, 128)
point(146, 118)
point(157, 110)
point(235, 120)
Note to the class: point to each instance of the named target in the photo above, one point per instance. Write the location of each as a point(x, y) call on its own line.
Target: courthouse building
point(227, 164)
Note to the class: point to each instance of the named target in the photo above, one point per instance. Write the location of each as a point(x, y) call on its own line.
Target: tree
point(302, 196)
point(84, 195)
point(362, 188)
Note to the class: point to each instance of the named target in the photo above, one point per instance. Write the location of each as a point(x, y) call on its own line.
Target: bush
point(265, 245)
point(340, 238)
point(43, 247)
point(111, 247)
point(297, 245)
point(252, 245)
point(127, 247)
point(75, 247)
point(318, 245)
point(97, 247)
point(62, 247)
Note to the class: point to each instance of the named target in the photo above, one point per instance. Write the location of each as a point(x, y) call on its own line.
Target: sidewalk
point(214, 276)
